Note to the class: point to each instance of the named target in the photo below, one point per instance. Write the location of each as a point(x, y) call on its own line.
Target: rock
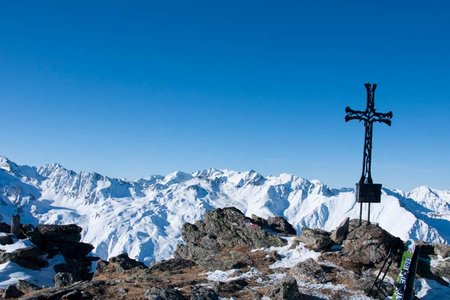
point(340, 233)
point(280, 225)
point(163, 294)
point(287, 289)
point(172, 265)
point(63, 279)
point(65, 268)
point(5, 228)
point(6, 239)
point(232, 286)
point(315, 239)
point(60, 233)
point(222, 229)
point(26, 287)
point(441, 269)
point(442, 250)
point(102, 268)
point(29, 257)
point(12, 292)
point(29, 231)
point(369, 245)
point(71, 249)
point(204, 293)
point(122, 263)
point(311, 272)
point(82, 290)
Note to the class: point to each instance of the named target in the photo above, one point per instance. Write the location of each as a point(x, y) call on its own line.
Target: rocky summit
point(225, 256)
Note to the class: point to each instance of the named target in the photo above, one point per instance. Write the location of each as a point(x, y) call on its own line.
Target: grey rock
point(340, 233)
point(60, 233)
point(122, 263)
point(222, 229)
point(281, 225)
point(204, 293)
point(231, 286)
point(29, 231)
point(71, 249)
point(172, 265)
point(312, 272)
point(163, 294)
point(82, 290)
point(6, 239)
point(442, 250)
point(12, 292)
point(5, 228)
point(287, 289)
point(369, 245)
point(26, 287)
point(315, 239)
point(441, 269)
point(63, 279)
point(29, 257)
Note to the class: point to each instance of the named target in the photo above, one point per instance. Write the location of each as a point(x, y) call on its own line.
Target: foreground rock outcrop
point(229, 255)
point(223, 230)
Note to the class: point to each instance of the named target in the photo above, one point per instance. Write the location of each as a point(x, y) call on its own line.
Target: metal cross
point(366, 190)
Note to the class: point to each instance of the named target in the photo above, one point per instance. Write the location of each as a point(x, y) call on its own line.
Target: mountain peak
point(5, 163)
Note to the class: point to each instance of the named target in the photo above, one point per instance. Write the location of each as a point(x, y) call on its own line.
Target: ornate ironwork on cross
point(366, 190)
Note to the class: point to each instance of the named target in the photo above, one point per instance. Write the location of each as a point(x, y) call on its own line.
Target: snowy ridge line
point(144, 217)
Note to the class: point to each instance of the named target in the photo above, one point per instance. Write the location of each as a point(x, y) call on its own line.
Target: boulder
point(223, 229)
point(32, 233)
point(441, 269)
point(29, 257)
point(82, 290)
point(231, 286)
point(369, 245)
point(60, 233)
point(340, 233)
point(311, 272)
point(163, 294)
point(12, 292)
point(442, 250)
point(280, 225)
point(173, 264)
point(286, 289)
point(315, 239)
point(63, 279)
point(71, 249)
point(26, 287)
point(6, 239)
point(5, 228)
point(122, 263)
point(204, 293)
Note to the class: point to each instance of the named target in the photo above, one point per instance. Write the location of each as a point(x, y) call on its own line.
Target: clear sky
point(134, 88)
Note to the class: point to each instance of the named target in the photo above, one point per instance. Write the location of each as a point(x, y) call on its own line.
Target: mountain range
point(144, 217)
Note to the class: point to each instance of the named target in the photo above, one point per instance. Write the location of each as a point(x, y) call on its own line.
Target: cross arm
point(383, 117)
point(354, 114)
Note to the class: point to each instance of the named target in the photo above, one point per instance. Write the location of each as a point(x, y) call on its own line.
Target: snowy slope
point(144, 217)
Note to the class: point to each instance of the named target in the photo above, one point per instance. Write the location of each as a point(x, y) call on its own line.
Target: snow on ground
point(11, 272)
point(20, 244)
point(291, 257)
point(231, 275)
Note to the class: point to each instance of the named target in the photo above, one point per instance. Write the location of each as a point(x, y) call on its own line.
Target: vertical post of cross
point(366, 190)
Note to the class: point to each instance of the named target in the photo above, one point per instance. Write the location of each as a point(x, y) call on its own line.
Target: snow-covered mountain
point(144, 217)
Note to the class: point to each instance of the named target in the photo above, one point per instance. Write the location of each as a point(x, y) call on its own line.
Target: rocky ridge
point(231, 256)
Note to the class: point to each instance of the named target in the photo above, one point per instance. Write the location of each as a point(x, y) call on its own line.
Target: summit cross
point(366, 190)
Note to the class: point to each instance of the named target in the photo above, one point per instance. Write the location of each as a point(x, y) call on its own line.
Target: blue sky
point(134, 88)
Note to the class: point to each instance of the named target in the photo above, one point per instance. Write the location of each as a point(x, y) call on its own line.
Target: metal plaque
point(368, 192)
